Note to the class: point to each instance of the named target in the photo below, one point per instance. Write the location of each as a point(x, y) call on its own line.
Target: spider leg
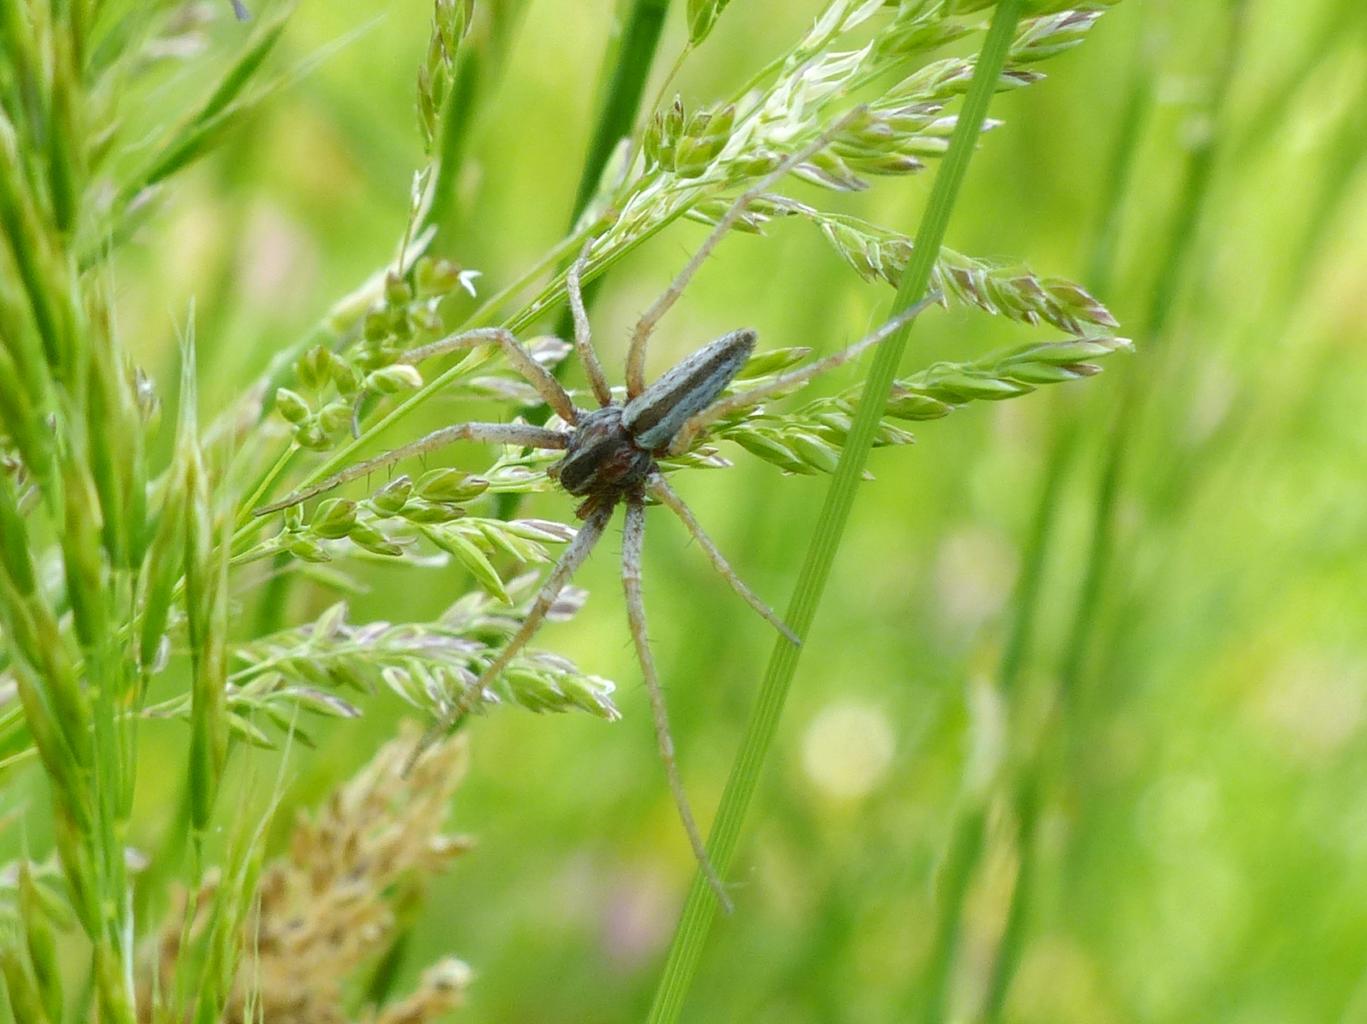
point(535, 374)
point(659, 487)
point(724, 407)
point(583, 339)
point(569, 563)
point(497, 433)
point(640, 336)
point(632, 542)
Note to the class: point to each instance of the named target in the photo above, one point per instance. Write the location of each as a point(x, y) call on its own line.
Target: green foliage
point(1081, 666)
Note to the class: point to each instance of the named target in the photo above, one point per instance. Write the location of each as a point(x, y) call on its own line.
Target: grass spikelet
point(41, 941)
point(116, 453)
point(810, 438)
point(31, 250)
point(440, 990)
point(65, 173)
point(57, 708)
point(436, 74)
point(1005, 289)
point(427, 665)
point(25, 999)
point(702, 15)
point(205, 569)
point(320, 912)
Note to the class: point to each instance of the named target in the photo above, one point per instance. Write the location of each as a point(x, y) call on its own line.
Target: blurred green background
point(1200, 851)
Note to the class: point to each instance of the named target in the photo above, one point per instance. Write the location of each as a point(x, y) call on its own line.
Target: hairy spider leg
point(659, 488)
point(583, 337)
point(633, 538)
point(573, 557)
point(724, 407)
point(495, 433)
point(533, 372)
point(640, 336)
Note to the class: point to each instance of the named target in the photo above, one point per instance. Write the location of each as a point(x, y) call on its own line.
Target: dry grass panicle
point(133, 570)
point(324, 909)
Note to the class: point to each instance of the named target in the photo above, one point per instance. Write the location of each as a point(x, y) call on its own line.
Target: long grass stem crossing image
point(833, 512)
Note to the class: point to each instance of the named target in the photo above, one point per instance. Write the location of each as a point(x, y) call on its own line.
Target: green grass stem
point(626, 73)
point(1173, 270)
point(700, 906)
point(1044, 525)
point(483, 52)
point(621, 98)
point(618, 110)
point(1027, 789)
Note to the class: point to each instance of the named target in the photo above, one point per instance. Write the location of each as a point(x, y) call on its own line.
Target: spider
point(612, 458)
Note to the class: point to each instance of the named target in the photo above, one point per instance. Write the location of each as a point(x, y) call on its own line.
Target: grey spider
point(611, 458)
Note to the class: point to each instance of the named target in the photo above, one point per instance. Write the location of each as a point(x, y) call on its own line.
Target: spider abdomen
point(612, 450)
point(654, 416)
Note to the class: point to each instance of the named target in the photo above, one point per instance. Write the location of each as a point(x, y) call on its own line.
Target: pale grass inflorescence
point(319, 913)
point(116, 572)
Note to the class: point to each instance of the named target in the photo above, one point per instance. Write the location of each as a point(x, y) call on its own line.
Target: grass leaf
point(700, 907)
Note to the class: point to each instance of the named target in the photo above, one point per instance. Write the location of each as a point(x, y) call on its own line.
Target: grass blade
point(700, 907)
point(622, 94)
point(620, 103)
point(1028, 787)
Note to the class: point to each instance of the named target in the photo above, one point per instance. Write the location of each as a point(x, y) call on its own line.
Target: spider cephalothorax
point(611, 455)
point(603, 463)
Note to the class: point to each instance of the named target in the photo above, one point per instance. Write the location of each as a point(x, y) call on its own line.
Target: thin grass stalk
point(1020, 636)
point(485, 47)
point(1173, 270)
point(622, 93)
point(700, 906)
point(1335, 183)
point(617, 113)
point(965, 846)
point(1339, 24)
point(1025, 607)
point(1015, 654)
point(954, 877)
point(1025, 801)
point(1027, 789)
point(206, 585)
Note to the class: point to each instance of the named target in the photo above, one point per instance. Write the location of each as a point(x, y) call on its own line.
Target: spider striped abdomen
point(654, 416)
